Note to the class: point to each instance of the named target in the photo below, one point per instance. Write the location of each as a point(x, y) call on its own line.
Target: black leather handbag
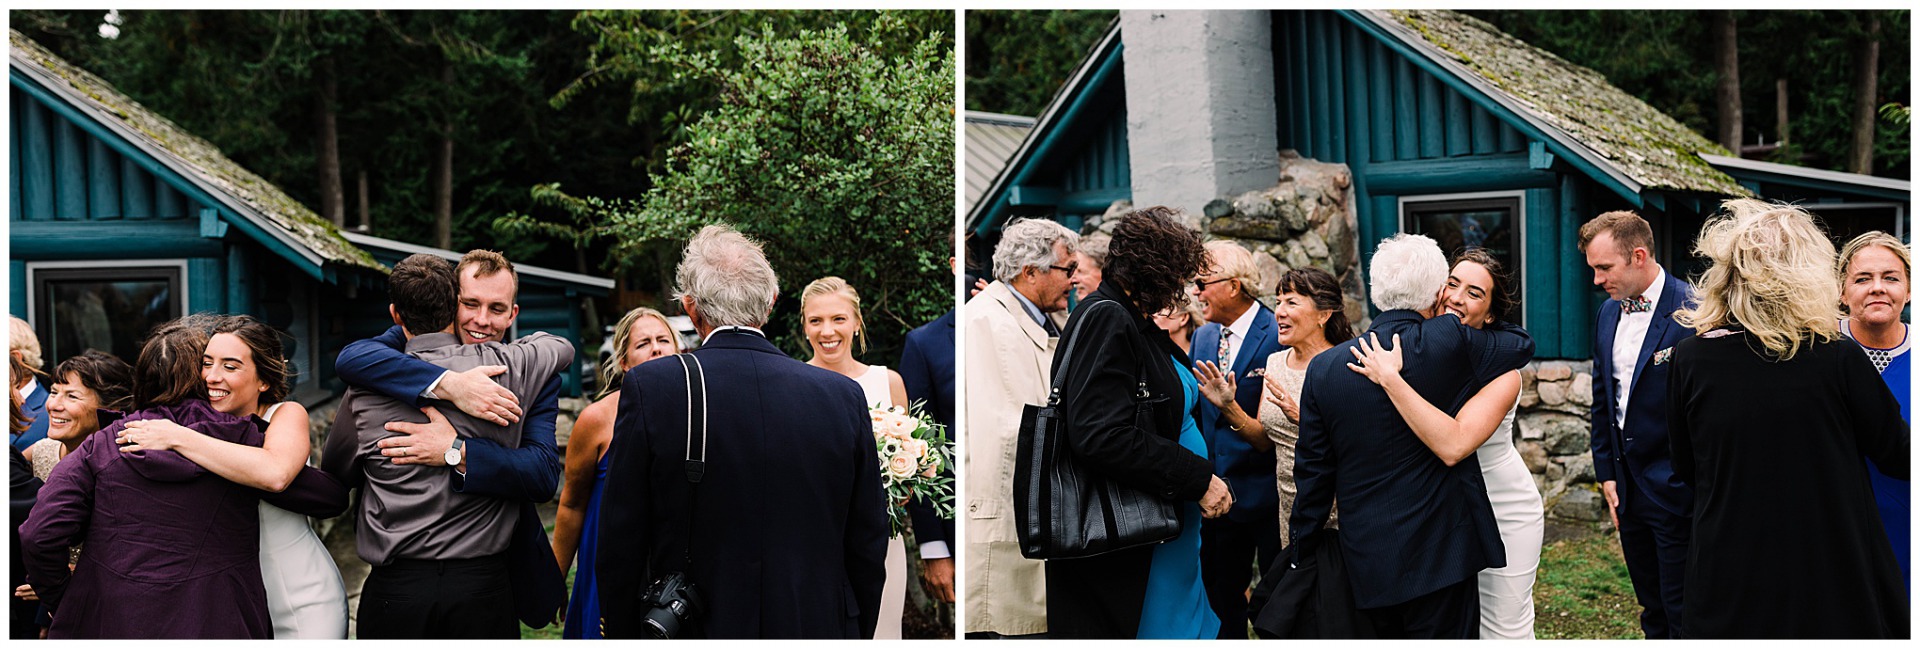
point(1065, 510)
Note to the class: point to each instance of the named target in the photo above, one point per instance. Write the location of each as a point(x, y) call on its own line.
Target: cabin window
point(1457, 222)
point(109, 306)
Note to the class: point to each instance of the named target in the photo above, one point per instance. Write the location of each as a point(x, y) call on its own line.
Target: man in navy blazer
point(1239, 335)
point(784, 534)
point(24, 345)
point(1633, 337)
point(926, 366)
point(1414, 532)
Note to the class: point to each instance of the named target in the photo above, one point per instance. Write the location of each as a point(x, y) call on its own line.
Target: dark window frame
point(40, 277)
point(1412, 208)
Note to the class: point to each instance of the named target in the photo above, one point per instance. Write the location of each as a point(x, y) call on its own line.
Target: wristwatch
point(453, 452)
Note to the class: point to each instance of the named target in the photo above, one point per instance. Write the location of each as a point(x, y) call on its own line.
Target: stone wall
point(1552, 435)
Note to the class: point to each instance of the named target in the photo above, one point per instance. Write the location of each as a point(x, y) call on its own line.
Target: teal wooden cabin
point(120, 220)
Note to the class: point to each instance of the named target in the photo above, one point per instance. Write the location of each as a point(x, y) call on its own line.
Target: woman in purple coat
point(172, 550)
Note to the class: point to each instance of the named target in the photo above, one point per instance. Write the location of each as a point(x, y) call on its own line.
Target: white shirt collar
point(27, 390)
point(716, 330)
point(1653, 292)
point(1243, 324)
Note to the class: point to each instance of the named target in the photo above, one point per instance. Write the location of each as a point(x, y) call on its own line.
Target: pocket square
point(1661, 356)
point(1256, 372)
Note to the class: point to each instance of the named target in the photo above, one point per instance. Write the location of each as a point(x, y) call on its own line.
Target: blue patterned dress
point(1176, 605)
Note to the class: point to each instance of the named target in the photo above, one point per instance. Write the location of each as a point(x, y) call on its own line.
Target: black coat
point(1409, 524)
point(1101, 596)
point(1306, 596)
point(1787, 540)
point(789, 524)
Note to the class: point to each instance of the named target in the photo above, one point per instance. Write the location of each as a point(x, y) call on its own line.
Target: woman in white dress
point(1477, 292)
point(830, 317)
point(247, 374)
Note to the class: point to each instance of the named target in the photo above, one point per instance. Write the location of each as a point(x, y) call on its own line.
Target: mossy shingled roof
point(194, 156)
point(1632, 136)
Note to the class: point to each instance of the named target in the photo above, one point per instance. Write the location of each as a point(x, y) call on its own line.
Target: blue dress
point(1893, 495)
point(583, 610)
point(1176, 605)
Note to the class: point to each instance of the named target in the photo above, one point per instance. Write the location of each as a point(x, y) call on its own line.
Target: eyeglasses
point(1069, 268)
point(1201, 284)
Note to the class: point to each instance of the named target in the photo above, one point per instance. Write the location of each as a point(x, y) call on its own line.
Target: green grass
point(1582, 591)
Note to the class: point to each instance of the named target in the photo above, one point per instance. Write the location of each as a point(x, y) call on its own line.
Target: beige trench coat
point(1008, 358)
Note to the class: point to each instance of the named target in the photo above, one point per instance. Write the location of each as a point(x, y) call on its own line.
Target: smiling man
point(1238, 336)
point(528, 472)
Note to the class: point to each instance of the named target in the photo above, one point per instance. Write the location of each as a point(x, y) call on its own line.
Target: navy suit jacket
point(1409, 524)
point(530, 472)
point(1248, 471)
point(1639, 457)
point(926, 366)
point(35, 408)
point(788, 523)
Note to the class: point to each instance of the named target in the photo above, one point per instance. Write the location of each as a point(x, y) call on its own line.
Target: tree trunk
point(1866, 87)
point(443, 175)
point(1782, 128)
point(332, 198)
point(366, 224)
point(1726, 92)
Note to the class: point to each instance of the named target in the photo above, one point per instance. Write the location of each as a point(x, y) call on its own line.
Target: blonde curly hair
point(1771, 272)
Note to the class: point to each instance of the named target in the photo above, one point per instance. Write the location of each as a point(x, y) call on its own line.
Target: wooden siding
point(1345, 97)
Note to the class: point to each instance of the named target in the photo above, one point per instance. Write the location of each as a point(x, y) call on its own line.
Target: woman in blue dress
point(641, 336)
point(1176, 607)
point(1874, 270)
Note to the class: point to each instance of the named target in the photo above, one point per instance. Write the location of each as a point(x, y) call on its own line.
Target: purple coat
point(172, 550)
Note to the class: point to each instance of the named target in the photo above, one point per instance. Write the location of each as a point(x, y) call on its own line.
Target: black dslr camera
point(671, 603)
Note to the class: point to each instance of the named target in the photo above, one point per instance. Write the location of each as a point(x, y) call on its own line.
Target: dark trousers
point(425, 599)
point(1655, 544)
point(1451, 613)
point(1228, 549)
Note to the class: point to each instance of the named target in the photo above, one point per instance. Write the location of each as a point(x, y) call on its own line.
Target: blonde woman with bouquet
point(830, 317)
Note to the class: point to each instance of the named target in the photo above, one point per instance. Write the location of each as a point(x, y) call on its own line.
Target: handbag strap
point(696, 467)
point(1060, 375)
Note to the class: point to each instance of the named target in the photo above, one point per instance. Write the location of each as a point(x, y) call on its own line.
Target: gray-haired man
point(785, 534)
point(1010, 338)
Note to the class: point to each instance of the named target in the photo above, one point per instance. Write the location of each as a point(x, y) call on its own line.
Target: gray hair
point(728, 278)
point(1233, 261)
point(20, 339)
point(1028, 243)
point(1407, 272)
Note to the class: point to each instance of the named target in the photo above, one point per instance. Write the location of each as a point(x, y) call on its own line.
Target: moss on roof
point(198, 155)
point(1636, 138)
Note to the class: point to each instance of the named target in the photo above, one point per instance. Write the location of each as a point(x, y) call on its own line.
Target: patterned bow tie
point(1635, 304)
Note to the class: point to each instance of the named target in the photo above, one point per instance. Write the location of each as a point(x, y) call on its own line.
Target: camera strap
point(696, 467)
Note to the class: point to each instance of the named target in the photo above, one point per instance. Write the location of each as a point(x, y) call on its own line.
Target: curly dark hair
point(1320, 286)
point(1152, 257)
point(1502, 293)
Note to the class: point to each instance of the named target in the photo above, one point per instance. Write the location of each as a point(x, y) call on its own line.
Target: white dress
point(305, 596)
point(893, 597)
point(1506, 594)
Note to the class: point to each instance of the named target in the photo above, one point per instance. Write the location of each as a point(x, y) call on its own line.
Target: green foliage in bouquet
point(914, 452)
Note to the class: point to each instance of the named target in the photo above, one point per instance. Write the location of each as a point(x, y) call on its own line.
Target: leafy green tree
point(833, 152)
point(1017, 60)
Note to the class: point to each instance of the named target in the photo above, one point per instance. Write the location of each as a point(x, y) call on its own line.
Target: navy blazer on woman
point(1248, 471)
point(1643, 446)
point(1409, 524)
point(789, 524)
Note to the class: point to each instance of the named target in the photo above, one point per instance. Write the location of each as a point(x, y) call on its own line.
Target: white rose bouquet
point(912, 449)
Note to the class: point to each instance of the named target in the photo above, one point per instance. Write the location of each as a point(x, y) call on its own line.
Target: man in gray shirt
point(440, 569)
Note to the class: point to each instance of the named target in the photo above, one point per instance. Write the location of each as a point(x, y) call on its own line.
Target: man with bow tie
point(1633, 339)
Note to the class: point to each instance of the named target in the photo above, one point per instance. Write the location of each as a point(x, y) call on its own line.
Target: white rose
point(900, 467)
